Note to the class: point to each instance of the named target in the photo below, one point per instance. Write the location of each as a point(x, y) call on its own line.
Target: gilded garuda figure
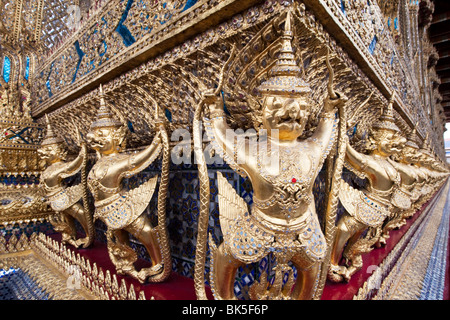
point(367, 209)
point(421, 180)
point(282, 219)
point(123, 211)
point(426, 165)
point(404, 162)
point(63, 199)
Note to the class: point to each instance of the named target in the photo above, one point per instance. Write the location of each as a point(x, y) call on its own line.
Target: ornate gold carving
point(60, 273)
point(19, 134)
point(406, 265)
point(183, 59)
point(62, 199)
point(20, 165)
point(23, 205)
point(282, 220)
point(370, 207)
point(123, 211)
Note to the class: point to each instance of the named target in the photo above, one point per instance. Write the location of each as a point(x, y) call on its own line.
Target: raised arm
point(142, 159)
point(327, 128)
point(74, 166)
point(361, 163)
point(233, 147)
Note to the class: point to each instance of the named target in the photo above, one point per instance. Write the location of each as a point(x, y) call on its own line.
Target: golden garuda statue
point(121, 210)
point(63, 199)
point(404, 162)
point(368, 209)
point(421, 177)
point(426, 166)
point(282, 220)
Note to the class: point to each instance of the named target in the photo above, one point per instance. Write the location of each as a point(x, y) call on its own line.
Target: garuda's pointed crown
point(104, 116)
point(284, 77)
point(426, 148)
point(411, 139)
point(387, 120)
point(50, 136)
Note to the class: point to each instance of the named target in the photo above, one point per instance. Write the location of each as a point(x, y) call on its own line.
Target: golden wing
point(362, 207)
point(66, 198)
point(349, 197)
point(231, 205)
point(246, 70)
point(140, 197)
point(243, 242)
point(127, 207)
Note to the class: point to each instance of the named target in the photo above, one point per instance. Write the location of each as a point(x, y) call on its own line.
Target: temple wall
point(378, 47)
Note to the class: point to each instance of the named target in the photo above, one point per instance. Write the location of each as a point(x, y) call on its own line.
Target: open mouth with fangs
point(396, 147)
point(96, 144)
point(288, 122)
point(43, 154)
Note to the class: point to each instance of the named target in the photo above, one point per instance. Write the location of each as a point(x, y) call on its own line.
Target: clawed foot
point(80, 242)
point(149, 272)
point(71, 241)
point(338, 273)
point(382, 241)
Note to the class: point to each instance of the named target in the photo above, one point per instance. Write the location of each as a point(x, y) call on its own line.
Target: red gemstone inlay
point(294, 180)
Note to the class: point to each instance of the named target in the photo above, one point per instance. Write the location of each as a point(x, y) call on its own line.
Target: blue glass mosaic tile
point(6, 71)
point(17, 285)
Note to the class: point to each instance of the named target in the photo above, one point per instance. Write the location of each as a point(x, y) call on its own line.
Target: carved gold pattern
point(52, 265)
point(123, 211)
point(65, 200)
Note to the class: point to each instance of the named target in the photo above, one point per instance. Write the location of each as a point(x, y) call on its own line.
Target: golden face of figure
point(425, 159)
point(411, 155)
point(287, 115)
point(106, 140)
point(388, 142)
point(52, 153)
